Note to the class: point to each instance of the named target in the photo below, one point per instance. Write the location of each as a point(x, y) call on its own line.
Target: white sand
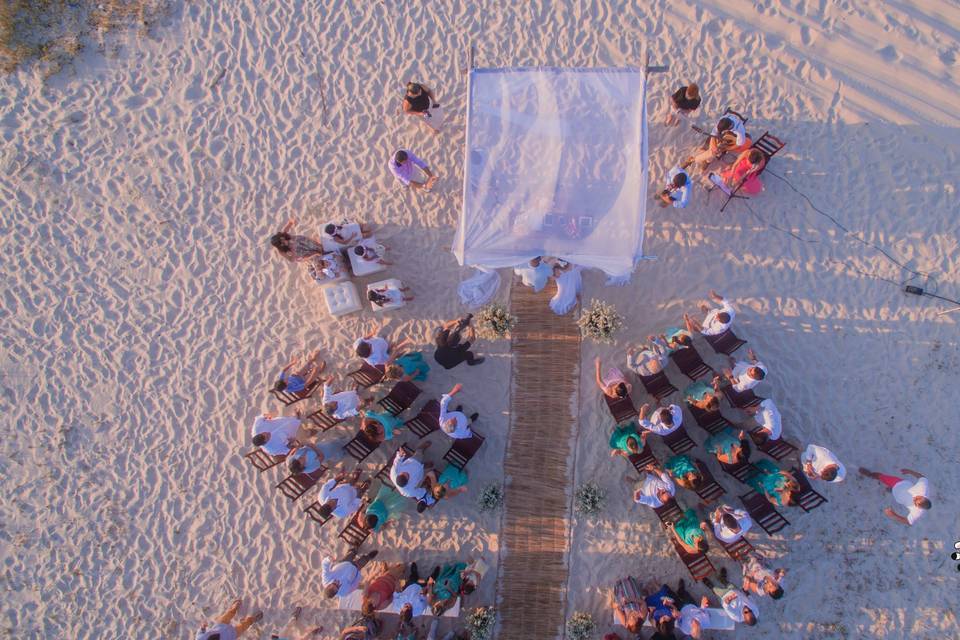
point(144, 314)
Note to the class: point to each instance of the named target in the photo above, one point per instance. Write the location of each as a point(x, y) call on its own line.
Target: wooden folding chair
point(736, 550)
point(777, 449)
point(698, 564)
point(766, 144)
point(763, 512)
point(313, 512)
point(427, 421)
point(463, 450)
point(622, 409)
point(669, 512)
point(708, 489)
point(738, 471)
point(690, 363)
point(288, 398)
point(712, 422)
point(361, 446)
point(367, 375)
point(261, 460)
point(726, 342)
point(321, 420)
point(658, 385)
point(809, 498)
point(297, 484)
point(355, 532)
point(383, 474)
point(400, 398)
point(679, 440)
point(642, 459)
point(741, 399)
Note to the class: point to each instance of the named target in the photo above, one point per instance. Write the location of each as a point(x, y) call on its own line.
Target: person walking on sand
point(420, 102)
point(222, 628)
point(683, 102)
point(403, 165)
point(912, 495)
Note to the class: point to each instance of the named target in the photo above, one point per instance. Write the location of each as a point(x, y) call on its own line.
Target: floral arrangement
point(480, 623)
point(491, 497)
point(495, 321)
point(580, 626)
point(589, 499)
point(600, 321)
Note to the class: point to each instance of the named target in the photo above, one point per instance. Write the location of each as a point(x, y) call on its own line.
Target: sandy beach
point(145, 315)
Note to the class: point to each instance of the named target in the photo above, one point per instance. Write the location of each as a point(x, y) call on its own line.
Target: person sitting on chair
point(690, 532)
point(371, 252)
point(745, 375)
point(342, 578)
point(406, 474)
point(379, 426)
point(728, 135)
point(820, 463)
point(406, 365)
point(340, 495)
point(626, 440)
point(729, 447)
point(730, 524)
point(649, 360)
point(614, 385)
point(448, 483)
point(374, 350)
point(779, 487)
point(742, 175)
point(326, 267)
point(342, 405)
point(677, 191)
point(676, 339)
point(702, 396)
point(760, 580)
point(295, 377)
point(276, 436)
point(662, 421)
point(768, 417)
point(716, 320)
point(738, 606)
point(684, 471)
point(455, 423)
point(629, 604)
point(656, 488)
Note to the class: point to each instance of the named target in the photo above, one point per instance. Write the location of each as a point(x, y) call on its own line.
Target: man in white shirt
point(404, 163)
point(760, 580)
point(535, 274)
point(729, 134)
point(677, 191)
point(649, 360)
point(276, 436)
point(342, 405)
point(414, 595)
point(406, 473)
point(223, 627)
point(693, 619)
point(819, 462)
point(746, 375)
point(374, 350)
point(768, 417)
point(343, 577)
point(914, 496)
point(730, 524)
point(455, 423)
point(341, 499)
point(662, 421)
point(717, 319)
point(656, 488)
point(738, 606)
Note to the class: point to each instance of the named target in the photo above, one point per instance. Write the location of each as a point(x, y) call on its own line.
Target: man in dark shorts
point(450, 350)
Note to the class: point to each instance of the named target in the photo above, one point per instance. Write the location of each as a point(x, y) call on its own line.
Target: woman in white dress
point(569, 282)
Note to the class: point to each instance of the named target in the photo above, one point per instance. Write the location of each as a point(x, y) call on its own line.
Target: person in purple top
point(404, 164)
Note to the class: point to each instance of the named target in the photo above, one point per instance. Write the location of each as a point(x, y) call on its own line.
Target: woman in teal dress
point(683, 469)
point(409, 366)
point(689, 532)
point(446, 587)
point(676, 339)
point(729, 447)
point(449, 483)
point(779, 487)
point(626, 440)
point(702, 396)
point(380, 426)
point(387, 506)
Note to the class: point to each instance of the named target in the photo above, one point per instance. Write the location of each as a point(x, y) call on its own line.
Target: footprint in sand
point(889, 53)
point(948, 57)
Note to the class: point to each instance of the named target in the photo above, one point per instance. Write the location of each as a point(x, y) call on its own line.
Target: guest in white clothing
point(730, 524)
point(717, 319)
point(819, 462)
point(373, 349)
point(662, 421)
point(342, 405)
point(738, 606)
point(760, 580)
point(693, 619)
point(275, 436)
point(455, 423)
point(677, 191)
point(768, 417)
point(656, 488)
point(343, 577)
point(746, 375)
point(339, 498)
point(223, 628)
point(535, 274)
point(406, 474)
point(914, 496)
point(649, 360)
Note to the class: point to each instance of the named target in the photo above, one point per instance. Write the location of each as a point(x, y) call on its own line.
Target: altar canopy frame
point(556, 165)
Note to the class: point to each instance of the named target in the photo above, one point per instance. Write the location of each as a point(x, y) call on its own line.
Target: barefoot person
point(742, 175)
point(914, 496)
point(297, 376)
point(340, 495)
point(663, 421)
point(341, 405)
point(346, 234)
point(629, 604)
point(649, 359)
point(738, 606)
point(614, 384)
point(717, 319)
point(420, 103)
point(730, 524)
point(403, 165)
point(656, 488)
point(276, 436)
point(820, 463)
point(729, 446)
point(778, 486)
point(374, 350)
point(683, 103)
point(760, 580)
point(455, 423)
point(677, 191)
point(690, 532)
point(746, 375)
point(626, 440)
point(383, 296)
point(222, 628)
point(341, 578)
point(295, 248)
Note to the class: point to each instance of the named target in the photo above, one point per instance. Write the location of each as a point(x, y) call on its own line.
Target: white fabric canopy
point(556, 165)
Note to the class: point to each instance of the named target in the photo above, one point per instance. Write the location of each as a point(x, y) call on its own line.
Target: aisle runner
point(533, 569)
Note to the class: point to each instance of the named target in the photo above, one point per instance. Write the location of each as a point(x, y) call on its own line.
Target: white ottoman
point(394, 293)
point(341, 298)
point(361, 267)
point(349, 228)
